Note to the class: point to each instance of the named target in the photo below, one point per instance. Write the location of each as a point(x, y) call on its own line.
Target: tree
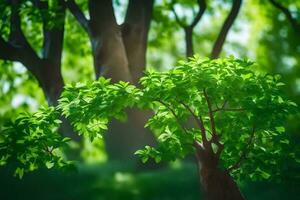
point(115, 48)
point(16, 47)
point(238, 117)
point(118, 51)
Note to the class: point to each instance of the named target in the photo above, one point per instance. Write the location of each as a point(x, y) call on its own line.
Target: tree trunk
point(218, 184)
point(189, 42)
point(51, 82)
point(135, 34)
point(119, 59)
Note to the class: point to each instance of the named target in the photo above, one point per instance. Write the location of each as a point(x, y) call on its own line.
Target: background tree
point(238, 115)
point(209, 20)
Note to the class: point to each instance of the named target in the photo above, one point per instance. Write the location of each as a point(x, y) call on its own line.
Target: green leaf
point(280, 129)
point(19, 172)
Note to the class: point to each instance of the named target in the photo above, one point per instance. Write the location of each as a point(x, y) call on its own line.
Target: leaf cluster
point(221, 104)
point(32, 141)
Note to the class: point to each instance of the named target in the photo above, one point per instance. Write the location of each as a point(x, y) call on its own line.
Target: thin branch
point(196, 144)
point(178, 20)
point(244, 152)
point(215, 137)
point(78, 14)
point(210, 113)
point(43, 9)
point(217, 48)
point(188, 28)
point(288, 15)
point(17, 48)
point(199, 122)
point(224, 104)
point(174, 114)
point(202, 8)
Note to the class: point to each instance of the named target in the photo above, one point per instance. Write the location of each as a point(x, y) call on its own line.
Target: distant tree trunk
point(119, 53)
point(109, 54)
point(47, 68)
point(135, 35)
point(189, 42)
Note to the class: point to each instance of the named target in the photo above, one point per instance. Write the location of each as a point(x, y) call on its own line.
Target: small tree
point(230, 117)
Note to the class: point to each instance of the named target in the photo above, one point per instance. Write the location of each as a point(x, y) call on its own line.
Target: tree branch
point(288, 15)
point(199, 147)
point(174, 114)
point(78, 14)
point(215, 137)
point(17, 48)
point(210, 113)
point(178, 20)
point(202, 8)
point(188, 29)
point(217, 48)
point(200, 124)
point(244, 152)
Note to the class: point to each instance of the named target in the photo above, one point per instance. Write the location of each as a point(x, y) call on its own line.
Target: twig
point(244, 152)
point(199, 122)
point(174, 114)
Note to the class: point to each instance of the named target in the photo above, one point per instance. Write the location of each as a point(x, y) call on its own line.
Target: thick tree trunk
point(109, 56)
point(217, 184)
point(135, 34)
point(120, 58)
point(51, 82)
point(108, 49)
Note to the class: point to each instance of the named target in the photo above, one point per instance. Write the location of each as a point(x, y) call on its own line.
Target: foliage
point(31, 141)
point(91, 106)
point(246, 109)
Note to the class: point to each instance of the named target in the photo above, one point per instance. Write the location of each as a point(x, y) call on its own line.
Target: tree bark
point(217, 184)
point(135, 33)
point(189, 42)
point(119, 53)
point(109, 53)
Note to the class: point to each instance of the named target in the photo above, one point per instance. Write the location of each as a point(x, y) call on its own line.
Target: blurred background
point(265, 31)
